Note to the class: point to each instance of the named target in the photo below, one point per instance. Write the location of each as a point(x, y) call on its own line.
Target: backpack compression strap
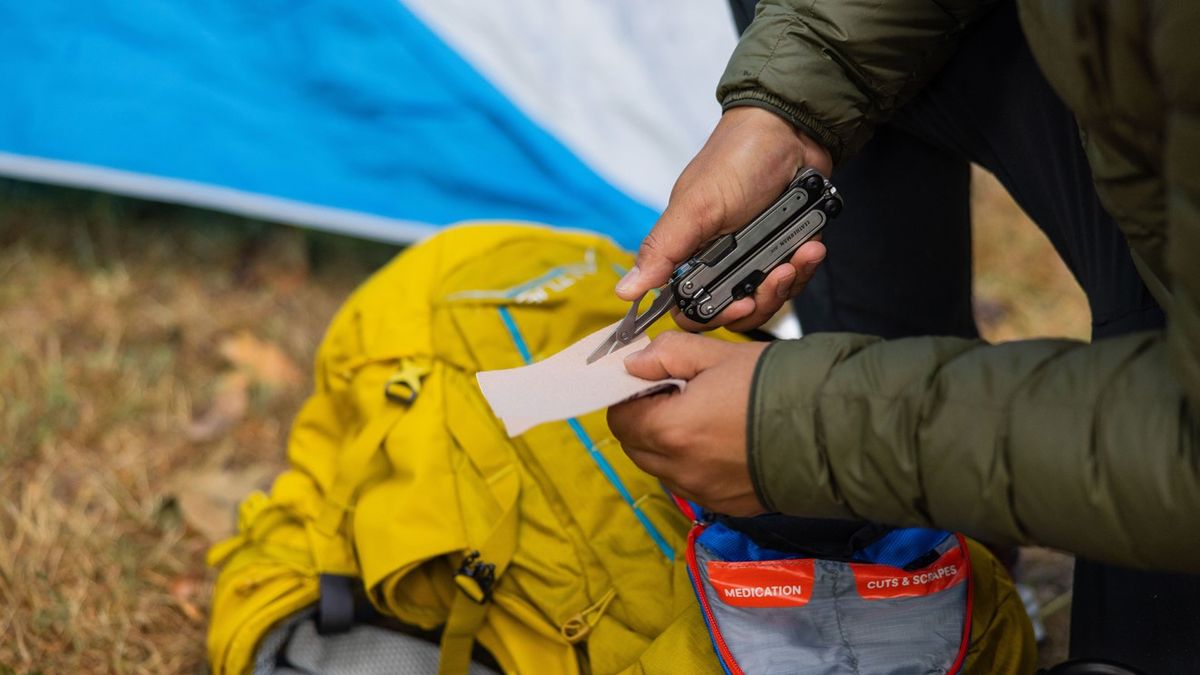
point(475, 579)
point(488, 556)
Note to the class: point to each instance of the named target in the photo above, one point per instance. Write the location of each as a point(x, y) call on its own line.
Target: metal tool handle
point(732, 266)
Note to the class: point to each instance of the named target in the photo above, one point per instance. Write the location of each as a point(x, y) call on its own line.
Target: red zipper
point(960, 661)
point(694, 571)
point(683, 505)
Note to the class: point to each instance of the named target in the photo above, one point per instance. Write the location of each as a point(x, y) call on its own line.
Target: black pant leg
point(743, 13)
point(992, 106)
point(899, 261)
point(1148, 620)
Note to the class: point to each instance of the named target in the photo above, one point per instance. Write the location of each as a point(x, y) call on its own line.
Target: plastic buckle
point(404, 385)
point(476, 578)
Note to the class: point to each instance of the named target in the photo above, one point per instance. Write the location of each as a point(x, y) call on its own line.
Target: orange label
point(778, 583)
point(880, 582)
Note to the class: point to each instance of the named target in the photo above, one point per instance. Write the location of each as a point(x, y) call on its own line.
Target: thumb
point(681, 230)
point(675, 354)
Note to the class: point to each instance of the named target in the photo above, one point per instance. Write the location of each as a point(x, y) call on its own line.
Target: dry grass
point(1022, 288)
point(114, 315)
point(111, 317)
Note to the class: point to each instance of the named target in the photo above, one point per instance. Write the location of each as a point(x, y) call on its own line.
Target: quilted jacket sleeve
point(1087, 448)
point(1176, 56)
point(837, 68)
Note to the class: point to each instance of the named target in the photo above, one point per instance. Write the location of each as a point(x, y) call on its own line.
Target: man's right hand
point(746, 163)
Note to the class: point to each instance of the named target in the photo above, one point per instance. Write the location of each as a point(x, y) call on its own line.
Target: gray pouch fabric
point(295, 648)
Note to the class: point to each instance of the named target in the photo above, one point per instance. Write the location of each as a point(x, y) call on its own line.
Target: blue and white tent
point(381, 118)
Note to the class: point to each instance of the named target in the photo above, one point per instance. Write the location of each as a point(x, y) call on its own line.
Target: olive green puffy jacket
point(1090, 448)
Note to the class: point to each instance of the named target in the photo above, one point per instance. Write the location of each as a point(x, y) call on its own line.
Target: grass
point(116, 318)
point(1022, 288)
point(112, 312)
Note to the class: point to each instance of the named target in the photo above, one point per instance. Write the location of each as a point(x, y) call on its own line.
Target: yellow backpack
point(551, 549)
point(400, 475)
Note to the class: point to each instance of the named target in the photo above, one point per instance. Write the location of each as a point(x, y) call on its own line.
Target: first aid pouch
point(901, 604)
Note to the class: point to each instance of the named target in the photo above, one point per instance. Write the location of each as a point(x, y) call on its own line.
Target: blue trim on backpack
point(605, 467)
point(515, 334)
point(541, 279)
point(611, 474)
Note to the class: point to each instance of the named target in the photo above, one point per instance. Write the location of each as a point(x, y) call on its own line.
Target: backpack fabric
point(551, 550)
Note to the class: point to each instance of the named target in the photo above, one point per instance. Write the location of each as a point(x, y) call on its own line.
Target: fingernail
point(625, 285)
point(811, 267)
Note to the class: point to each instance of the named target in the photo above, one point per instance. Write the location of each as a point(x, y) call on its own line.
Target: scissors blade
point(610, 345)
point(634, 324)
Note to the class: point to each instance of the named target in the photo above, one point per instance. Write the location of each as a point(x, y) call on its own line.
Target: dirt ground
point(151, 360)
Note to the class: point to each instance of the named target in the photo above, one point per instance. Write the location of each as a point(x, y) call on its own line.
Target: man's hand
point(694, 440)
point(748, 160)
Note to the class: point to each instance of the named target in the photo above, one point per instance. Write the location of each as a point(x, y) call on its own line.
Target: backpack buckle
point(405, 384)
point(476, 578)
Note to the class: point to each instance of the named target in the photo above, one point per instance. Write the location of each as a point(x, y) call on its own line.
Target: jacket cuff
point(798, 118)
point(787, 454)
point(752, 461)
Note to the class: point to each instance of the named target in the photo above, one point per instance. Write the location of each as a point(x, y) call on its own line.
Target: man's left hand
point(694, 440)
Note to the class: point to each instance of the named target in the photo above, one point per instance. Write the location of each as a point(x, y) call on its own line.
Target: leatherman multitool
point(732, 266)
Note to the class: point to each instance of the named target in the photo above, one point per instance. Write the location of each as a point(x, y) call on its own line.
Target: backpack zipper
point(726, 657)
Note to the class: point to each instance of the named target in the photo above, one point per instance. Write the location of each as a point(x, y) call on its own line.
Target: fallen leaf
point(230, 399)
point(184, 591)
point(182, 588)
point(208, 497)
point(191, 611)
point(263, 362)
